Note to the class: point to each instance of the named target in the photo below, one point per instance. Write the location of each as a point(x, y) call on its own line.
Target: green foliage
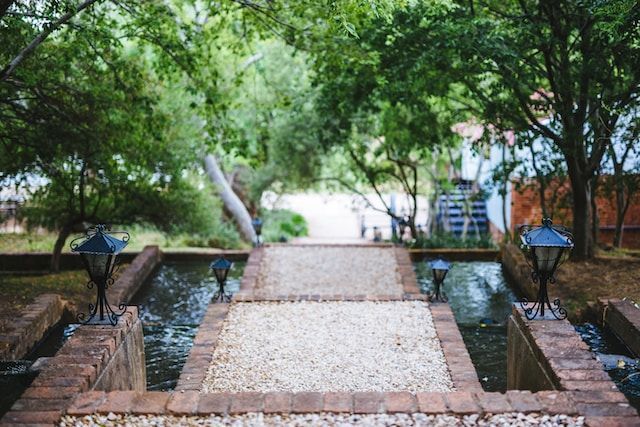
point(447, 240)
point(279, 223)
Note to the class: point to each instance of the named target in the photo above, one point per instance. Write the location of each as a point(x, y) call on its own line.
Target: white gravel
point(328, 270)
point(328, 346)
point(327, 419)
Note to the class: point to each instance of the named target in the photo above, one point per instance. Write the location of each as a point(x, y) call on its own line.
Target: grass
point(140, 237)
point(19, 290)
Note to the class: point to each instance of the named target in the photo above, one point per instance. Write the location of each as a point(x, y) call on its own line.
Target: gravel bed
point(328, 346)
point(328, 270)
point(328, 419)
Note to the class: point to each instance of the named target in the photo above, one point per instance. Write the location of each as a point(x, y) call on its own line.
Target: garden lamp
point(99, 250)
point(545, 248)
point(257, 227)
point(439, 268)
point(221, 268)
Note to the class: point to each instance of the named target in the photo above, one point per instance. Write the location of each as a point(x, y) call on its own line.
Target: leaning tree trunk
point(231, 201)
point(64, 233)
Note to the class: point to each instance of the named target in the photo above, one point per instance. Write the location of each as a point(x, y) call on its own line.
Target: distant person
point(377, 234)
point(363, 227)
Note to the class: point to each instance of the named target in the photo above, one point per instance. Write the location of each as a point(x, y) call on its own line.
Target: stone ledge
point(463, 374)
point(241, 297)
point(405, 269)
point(458, 403)
point(72, 372)
point(564, 359)
point(623, 318)
point(197, 364)
point(28, 329)
point(455, 254)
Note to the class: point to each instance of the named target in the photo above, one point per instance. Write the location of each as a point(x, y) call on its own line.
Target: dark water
point(618, 361)
point(481, 300)
point(173, 303)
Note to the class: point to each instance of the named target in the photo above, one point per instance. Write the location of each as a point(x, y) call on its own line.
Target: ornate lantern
point(99, 251)
point(546, 248)
point(439, 268)
point(221, 268)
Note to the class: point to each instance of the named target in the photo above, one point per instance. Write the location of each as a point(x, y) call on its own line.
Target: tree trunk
point(231, 201)
point(582, 219)
point(63, 234)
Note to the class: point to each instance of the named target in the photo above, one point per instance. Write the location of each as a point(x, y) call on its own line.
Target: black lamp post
point(545, 248)
point(221, 268)
point(439, 268)
point(257, 227)
point(99, 251)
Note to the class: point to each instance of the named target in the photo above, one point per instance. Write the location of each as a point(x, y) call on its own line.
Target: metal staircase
point(451, 211)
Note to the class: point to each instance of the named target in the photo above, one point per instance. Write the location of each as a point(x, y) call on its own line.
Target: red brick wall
point(525, 209)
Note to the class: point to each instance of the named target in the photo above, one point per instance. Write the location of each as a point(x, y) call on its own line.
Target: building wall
point(526, 209)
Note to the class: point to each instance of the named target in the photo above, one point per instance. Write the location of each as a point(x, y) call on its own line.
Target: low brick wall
point(135, 275)
point(250, 273)
point(205, 255)
point(95, 357)
point(623, 318)
point(455, 254)
point(463, 374)
point(549, 354)
point(518, 271)
point(39, 261)
point(194, 403)
point(407, 274)
point(559, 352)
point(26, 330)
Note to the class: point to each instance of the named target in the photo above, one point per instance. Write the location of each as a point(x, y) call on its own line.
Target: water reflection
point(172, 304)
point(481, 300)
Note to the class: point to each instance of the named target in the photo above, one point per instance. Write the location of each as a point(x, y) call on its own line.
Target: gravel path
point(328, 419)
point(327, 270)
point(328, 346)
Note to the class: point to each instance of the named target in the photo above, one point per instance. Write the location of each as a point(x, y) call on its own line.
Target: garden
point(261, 212)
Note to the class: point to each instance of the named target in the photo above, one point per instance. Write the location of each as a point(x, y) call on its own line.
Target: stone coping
point(593, 405)
point(565, 357)
point(461, 369)
point(27, 329)
point(455, 254)
point(73, 370)
point(623, 318)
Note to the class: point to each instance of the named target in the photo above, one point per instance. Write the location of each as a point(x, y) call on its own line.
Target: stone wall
point(455, 254)
point(623, 318)
point(96, 357)
point(25, 331)
point(135, 275)
point(518, 271)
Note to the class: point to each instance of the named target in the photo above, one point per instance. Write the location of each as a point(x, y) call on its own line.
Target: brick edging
point(457, 403)
point(200, 357)
point(566, 358)
point(405, 269)
point(30, 326)
point(74, 369)
point(463, 374)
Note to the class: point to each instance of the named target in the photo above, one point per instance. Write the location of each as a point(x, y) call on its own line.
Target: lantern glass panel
point(221, 274)
point(99, 266)
point(439, 274)
point(546, 257)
